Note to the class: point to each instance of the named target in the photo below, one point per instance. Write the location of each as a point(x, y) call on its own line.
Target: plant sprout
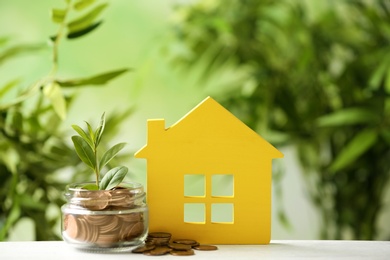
point(86, 145)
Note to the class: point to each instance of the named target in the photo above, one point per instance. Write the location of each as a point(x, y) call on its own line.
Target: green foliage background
point(319, 79)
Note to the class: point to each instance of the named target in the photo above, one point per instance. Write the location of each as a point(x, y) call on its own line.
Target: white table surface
point(277, 249)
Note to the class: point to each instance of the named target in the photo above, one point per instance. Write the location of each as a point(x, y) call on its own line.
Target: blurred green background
point(312, 77)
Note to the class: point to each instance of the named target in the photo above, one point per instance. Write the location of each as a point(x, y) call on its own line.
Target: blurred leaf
point(19, 49)
point(27, 201)
point(14, 122)
point(380, 74)
point(113, 178)
point(10, 157)
point(347, 116)
point(355, 148)
point(84, 151)
point(83, 32)
point(12, 218)
point(8, 86)
point(3, 40)
point(100, 79)
point(86, 20)
point(82, 4)
point(386, 135)
point(58, 15)
point(53, 92)
point(283, 219)
point(110, 153)
point(387, 80)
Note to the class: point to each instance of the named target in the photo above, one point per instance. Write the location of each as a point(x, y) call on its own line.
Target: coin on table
point(182, 252)
point(177, 246)
point(160, 235)
point(158, 238)
point(160, 250)
point(190, 242)
point(143, 248)
point(205, 247)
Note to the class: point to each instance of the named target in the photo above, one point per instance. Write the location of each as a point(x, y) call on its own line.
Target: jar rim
point(127, 192)
point(135, 187)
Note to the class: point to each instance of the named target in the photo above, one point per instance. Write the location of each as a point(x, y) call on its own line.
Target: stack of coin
point(104, 230)
point(158, 238)
point(158, 243)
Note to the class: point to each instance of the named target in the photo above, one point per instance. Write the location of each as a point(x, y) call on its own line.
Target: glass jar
point(108, 220)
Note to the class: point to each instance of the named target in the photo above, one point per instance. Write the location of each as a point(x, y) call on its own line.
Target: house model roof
point(207, 122)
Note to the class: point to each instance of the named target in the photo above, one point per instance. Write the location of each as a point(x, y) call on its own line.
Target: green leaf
point(58, 15)
point(53, 92)
point(109, 154)
point(90, 186)
point(356, 147)
point(84, 135)
point(91, 134)
point(100, 129)
point(84, 31)
point(82, 4)
point(84, 151)
point(100, 79)
point(86, 20)
point(113, 178)
point(348, 116)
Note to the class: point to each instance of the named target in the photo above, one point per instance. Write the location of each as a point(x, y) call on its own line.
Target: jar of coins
point(108, 220)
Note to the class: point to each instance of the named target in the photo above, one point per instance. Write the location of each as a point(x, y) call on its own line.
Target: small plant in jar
point(107, 213)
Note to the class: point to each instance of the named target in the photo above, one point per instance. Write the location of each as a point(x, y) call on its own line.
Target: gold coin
point(205, 247)
point(132, 217)
point(70, 226)
point(121, 198)
point(143, 248)
point(159, 235)
point(160, 250)
point(137, 229)
point(107, 239)
point(190, 242)
point(95, 200)
point(178, 246)
point(111, 224)
point(182, 252)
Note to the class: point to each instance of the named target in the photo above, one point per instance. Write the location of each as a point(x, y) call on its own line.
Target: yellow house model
point(186, 164)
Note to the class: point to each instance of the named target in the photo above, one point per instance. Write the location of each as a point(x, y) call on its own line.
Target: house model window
point(209, 178)
point(222, 192)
